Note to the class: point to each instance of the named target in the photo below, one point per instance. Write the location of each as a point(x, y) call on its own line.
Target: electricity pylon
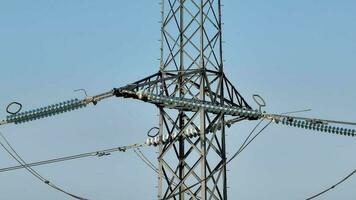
point(194, 98)
point(191, 42)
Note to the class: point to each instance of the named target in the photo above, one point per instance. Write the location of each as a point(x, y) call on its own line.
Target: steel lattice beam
point(191, 61)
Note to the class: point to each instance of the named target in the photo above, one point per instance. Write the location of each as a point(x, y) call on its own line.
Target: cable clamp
point(101, 154)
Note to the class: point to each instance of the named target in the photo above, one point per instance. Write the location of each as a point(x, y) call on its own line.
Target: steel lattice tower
point(191, 50)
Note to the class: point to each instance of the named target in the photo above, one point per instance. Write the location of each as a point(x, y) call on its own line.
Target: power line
point(138, 152)
point(332, 187)
point(248, 137)
point(12, 152)
point(145, 160)
point(98, 153)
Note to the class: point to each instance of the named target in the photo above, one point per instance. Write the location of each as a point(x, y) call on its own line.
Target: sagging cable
point(13, 153)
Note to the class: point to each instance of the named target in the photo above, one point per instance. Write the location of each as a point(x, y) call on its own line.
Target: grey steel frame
point(191, 67)
point(191, 52)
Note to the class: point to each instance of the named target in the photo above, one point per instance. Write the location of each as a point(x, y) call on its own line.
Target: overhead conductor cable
point(18, 158)
point(332, 187)
point(99, 153)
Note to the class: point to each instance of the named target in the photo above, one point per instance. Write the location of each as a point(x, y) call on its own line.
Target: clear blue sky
point(296, 54)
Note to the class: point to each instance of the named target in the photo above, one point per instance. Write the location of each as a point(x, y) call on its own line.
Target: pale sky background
point(296, 54)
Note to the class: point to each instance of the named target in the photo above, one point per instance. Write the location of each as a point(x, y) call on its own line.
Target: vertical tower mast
point(191, 53)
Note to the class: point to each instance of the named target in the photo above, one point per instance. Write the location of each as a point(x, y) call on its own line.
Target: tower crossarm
point(165, 84)
point(137, 91)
